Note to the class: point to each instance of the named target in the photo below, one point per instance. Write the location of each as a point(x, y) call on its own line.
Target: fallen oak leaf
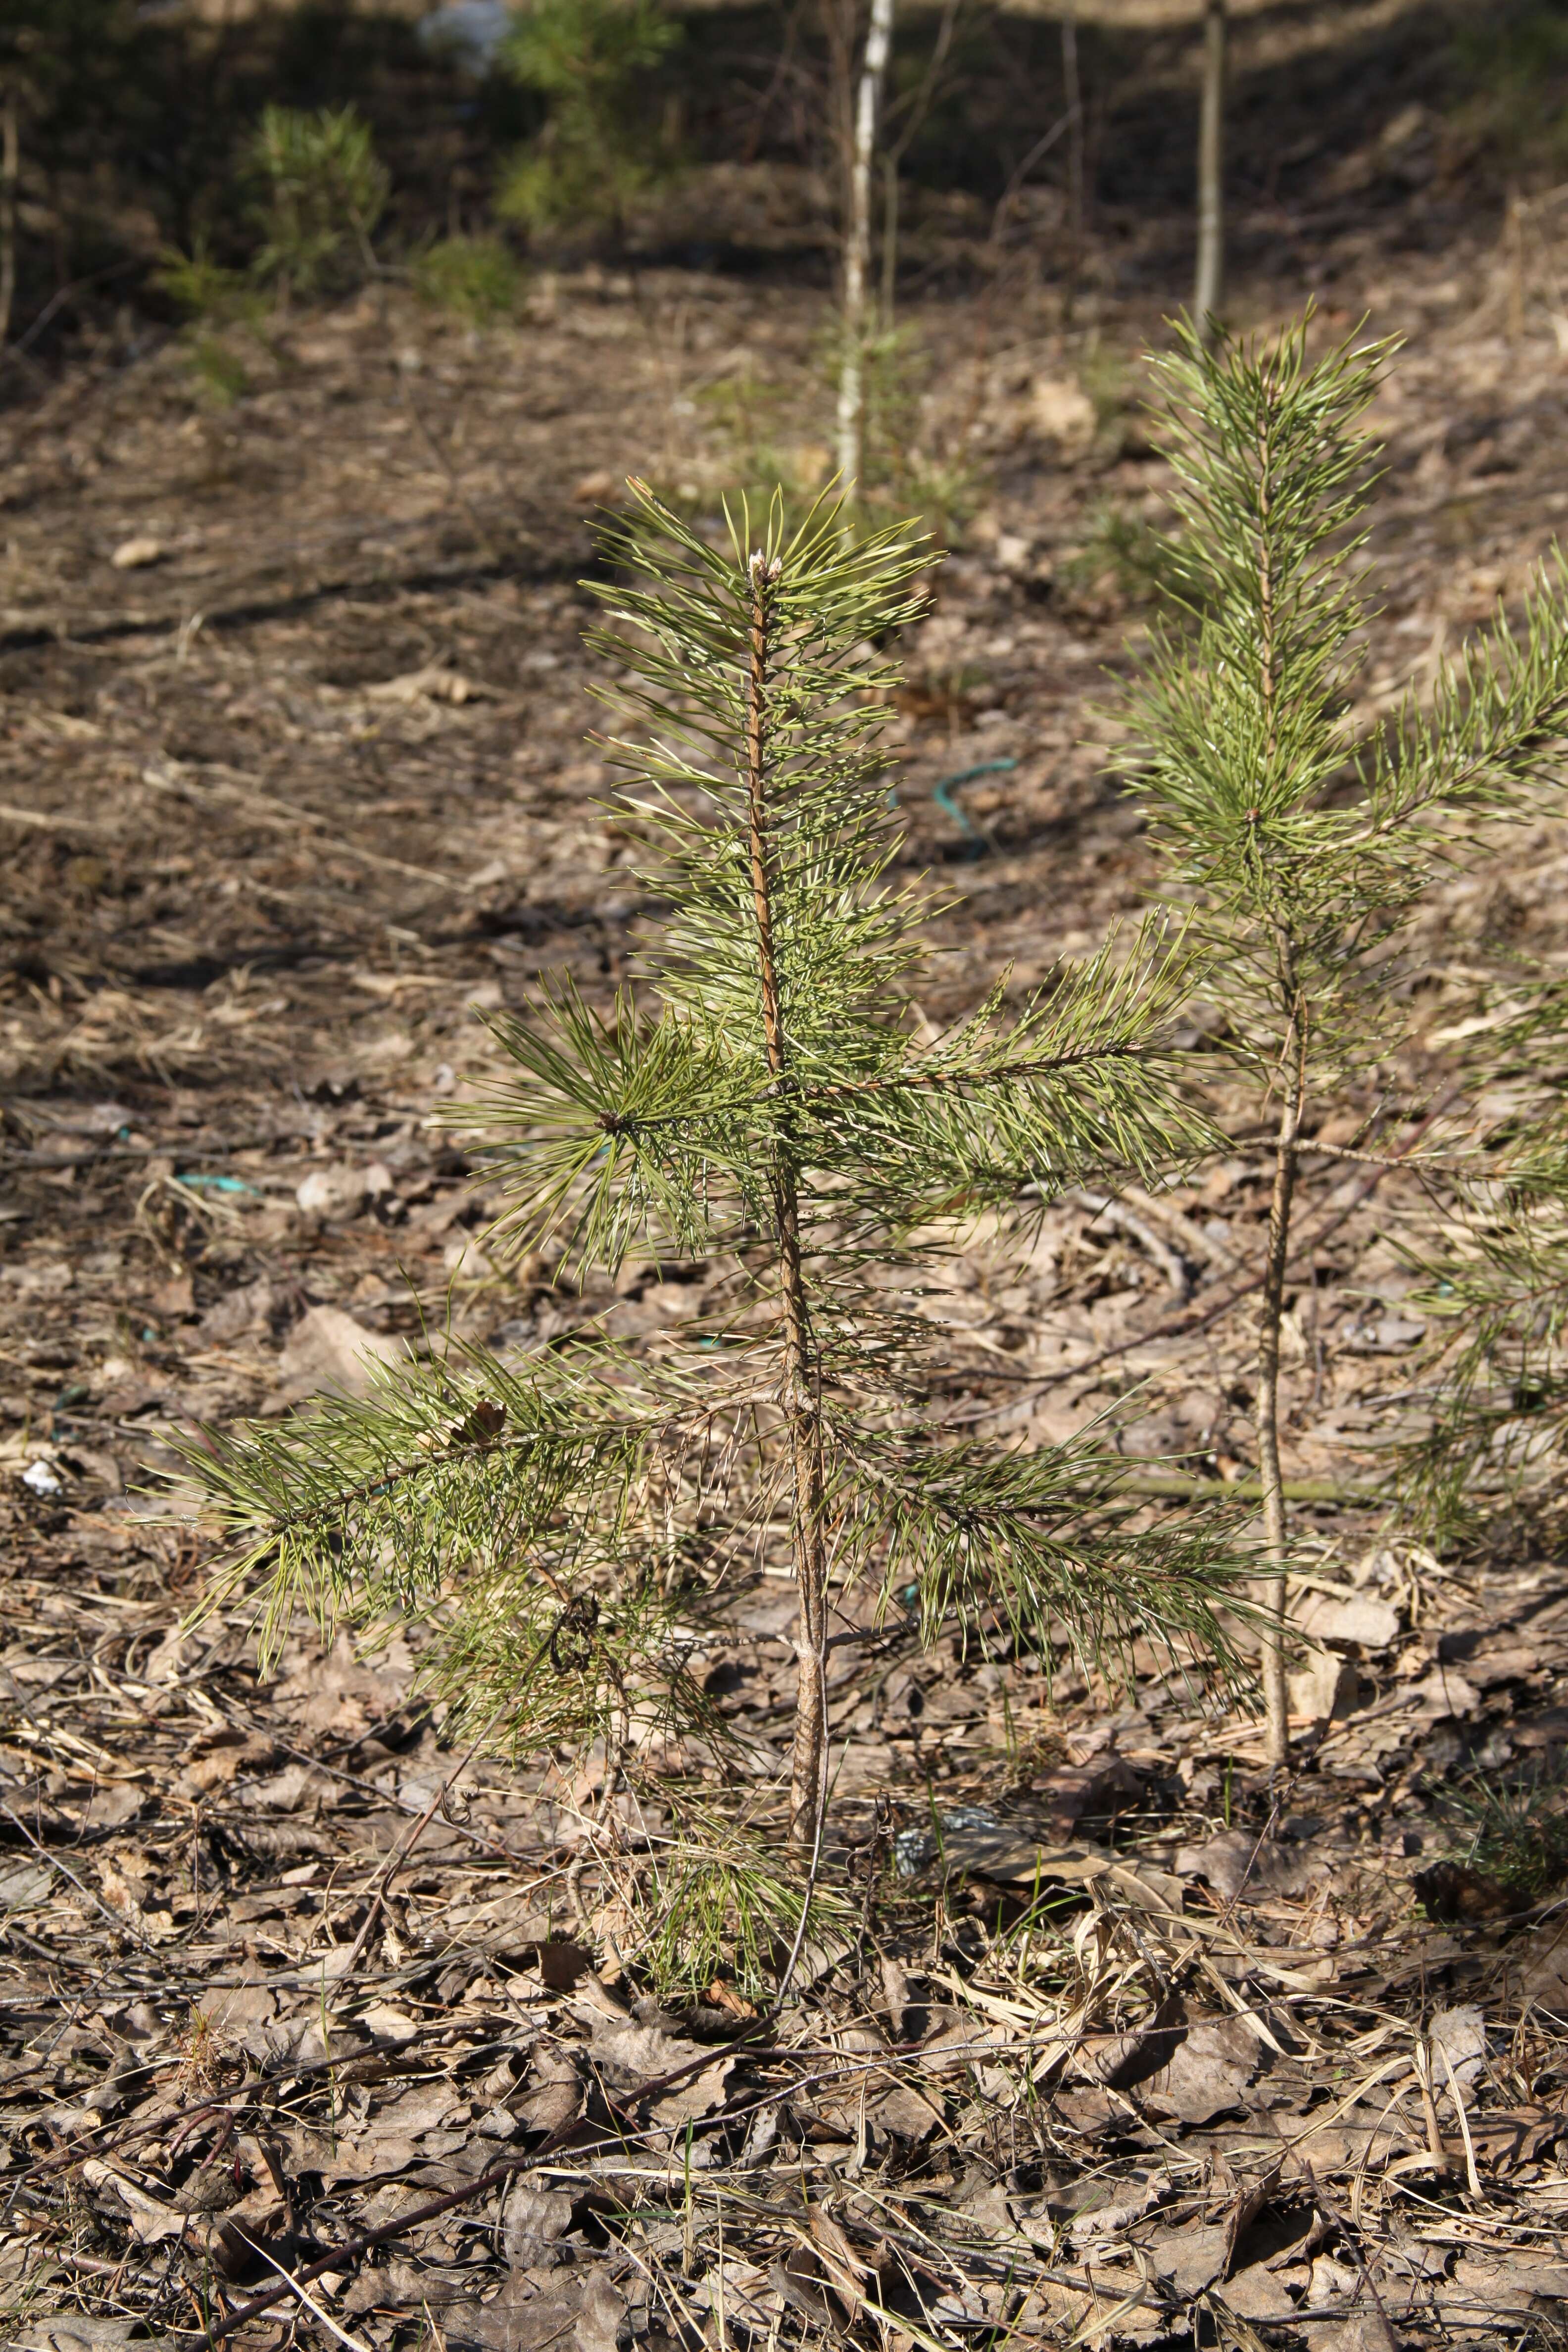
point(482, 1426)
point(1244, 2209)
point(846, 2273)
point(725, 1997)
point(1453, 1890)
point(351, 2249)
point(151, 2222)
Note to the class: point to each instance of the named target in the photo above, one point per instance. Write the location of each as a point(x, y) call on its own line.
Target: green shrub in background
point(603, 145)
point(205, 288)
point(1511, 61)
point(907, 466)
point(1125, 562)
point(758, 432)
point(223, 308)
point(324, 189)
point(478, 278)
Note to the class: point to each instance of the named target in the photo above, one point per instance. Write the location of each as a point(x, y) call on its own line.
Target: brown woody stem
point(1270, 1477)
point(799, 1388)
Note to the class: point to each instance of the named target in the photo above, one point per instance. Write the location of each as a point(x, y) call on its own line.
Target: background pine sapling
point(1303, 847)
point(607, 140)
point(323, 189)
point(764, 1104)
point(1493, 1285)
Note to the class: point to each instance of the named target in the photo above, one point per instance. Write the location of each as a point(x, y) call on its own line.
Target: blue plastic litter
point(219, 1185)
point(470, 30)
point(943, 795)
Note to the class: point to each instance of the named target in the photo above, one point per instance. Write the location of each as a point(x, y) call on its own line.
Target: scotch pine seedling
point(1303, 846)
point(765, 1103)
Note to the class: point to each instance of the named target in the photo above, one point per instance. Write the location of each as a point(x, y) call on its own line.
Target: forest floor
point(293, 777)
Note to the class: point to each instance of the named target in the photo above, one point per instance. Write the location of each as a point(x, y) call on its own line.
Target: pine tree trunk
point(1210, 290)
point(799, 1387)
point(857, 250)
point(1276, 1700)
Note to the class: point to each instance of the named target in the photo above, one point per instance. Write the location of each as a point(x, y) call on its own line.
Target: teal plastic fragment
point(943, 795)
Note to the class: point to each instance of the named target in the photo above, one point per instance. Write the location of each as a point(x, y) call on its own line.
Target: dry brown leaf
point(327, 1349)
point(536, 2221)
point(1208, 2075)
point(151, 2222)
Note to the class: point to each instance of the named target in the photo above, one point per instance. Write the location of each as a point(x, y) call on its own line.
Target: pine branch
point(1040, 1540)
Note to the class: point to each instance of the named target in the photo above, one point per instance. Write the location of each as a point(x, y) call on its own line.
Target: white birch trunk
point(857, 251)
point(1210, 289)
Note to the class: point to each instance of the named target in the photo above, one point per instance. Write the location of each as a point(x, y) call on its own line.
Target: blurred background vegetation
point(171, 159)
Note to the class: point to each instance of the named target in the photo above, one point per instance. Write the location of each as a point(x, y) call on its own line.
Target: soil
point(294, 782)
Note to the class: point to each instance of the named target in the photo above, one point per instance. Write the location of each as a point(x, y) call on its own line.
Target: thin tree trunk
point(10, 171)
point(1514, 241)
point(1072, 92)
point(799, 1397)
point(1210, 290)
point(1276, 1701)
point(857, 251)
point(918, 107)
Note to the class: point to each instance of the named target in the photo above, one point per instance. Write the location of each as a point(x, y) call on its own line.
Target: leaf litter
point(1120, 2046)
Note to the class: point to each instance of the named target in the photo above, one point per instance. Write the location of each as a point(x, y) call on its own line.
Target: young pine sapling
point(1493, 1285)
point(323, 189)
point(605, 141)
point(1303, 845)
point(765, 1106)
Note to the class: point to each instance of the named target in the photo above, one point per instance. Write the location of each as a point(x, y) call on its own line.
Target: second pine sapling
point(1303, 845)
point(1493, 1285)
point(765, 1108)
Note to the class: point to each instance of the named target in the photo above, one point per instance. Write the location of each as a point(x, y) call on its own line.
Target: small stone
point(136, 554)
point(594, 487)
point(338, 1191)
point(1063, 413)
